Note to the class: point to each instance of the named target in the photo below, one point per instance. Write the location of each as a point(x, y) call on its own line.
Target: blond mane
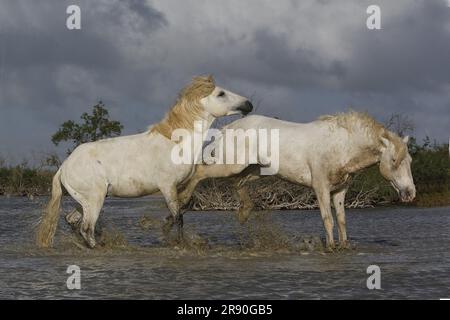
point(187, 108)
point(355, 122)
point(362, 123)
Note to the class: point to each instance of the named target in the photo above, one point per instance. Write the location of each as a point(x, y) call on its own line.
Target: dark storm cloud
point(270, 60)
point(403, 68)
point(411, 52)
point(34, 57)
point(299, 59)
point(48, 73)
point(51, 45)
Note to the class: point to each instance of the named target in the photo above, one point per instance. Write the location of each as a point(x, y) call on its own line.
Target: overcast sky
point(297, 59)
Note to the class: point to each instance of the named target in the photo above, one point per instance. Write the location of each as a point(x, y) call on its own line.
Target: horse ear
point(406, 139)
point(385, 142)
point(210, 78)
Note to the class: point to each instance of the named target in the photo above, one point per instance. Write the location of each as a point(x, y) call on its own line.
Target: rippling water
point(268, 258)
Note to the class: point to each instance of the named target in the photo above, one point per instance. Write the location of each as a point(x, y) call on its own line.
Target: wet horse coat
point(323, 154)
point(136, 165)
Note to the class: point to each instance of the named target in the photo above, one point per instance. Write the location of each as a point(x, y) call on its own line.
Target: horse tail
point(49, 221)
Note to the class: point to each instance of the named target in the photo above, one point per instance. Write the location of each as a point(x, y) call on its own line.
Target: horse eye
point(393, 160)
point(221, 94)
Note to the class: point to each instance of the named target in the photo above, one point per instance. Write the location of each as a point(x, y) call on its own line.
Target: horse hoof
point(90, 243)
point(345, 245)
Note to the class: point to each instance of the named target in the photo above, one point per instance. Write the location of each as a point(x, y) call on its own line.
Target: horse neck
point(363, 155)
point(200, 132)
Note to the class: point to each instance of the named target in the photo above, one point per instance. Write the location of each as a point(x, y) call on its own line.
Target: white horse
point(322, 154)
point(136, 165)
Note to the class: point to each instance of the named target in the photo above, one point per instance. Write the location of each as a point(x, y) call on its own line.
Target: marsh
point(277, 255)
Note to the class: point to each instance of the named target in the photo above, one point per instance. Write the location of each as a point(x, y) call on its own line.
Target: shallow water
point(266, 259)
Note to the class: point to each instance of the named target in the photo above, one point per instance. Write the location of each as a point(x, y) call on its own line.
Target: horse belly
point(132, 188)
point(297, 175)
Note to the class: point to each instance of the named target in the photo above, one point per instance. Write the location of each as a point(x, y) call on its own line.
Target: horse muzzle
point(245, 108)
point(407, 195)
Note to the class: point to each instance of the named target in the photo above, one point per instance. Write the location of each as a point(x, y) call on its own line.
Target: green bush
point(430, 170)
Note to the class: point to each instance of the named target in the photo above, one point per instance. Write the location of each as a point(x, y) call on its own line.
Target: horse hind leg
point(91, 202)
point(75, 220)
point(171, 196)
point(91, 212)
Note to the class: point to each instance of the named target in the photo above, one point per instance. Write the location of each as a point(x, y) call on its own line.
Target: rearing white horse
point(136, 165)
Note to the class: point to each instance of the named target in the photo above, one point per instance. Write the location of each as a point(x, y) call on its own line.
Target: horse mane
point(362, 123)
point(187, 107)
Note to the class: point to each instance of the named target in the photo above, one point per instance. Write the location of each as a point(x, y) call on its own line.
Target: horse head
point(395, 165)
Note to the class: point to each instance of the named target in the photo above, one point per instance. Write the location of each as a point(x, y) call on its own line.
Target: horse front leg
point(323, 197)
point(171, 196)
point(246, 204)
point(186, 193)
point(339, 207)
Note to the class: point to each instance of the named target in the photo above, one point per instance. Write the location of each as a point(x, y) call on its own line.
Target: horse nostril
point(246, 107)
point(249, 106)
